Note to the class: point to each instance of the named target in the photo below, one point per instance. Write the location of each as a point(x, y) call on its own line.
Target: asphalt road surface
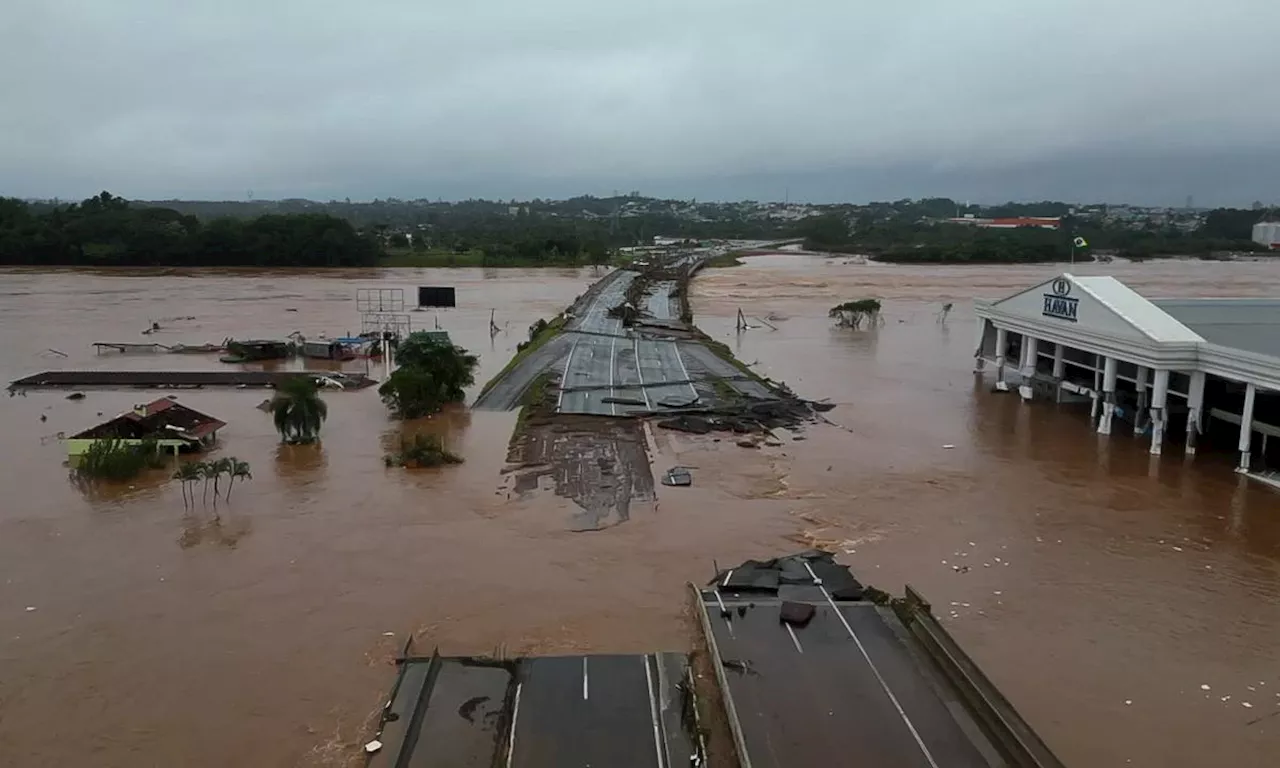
point(549, 712)
point(809, 696)
point(606, 369)
point(607, 363)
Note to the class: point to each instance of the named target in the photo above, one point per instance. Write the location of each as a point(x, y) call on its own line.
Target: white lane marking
point(794, 639)
point(613, 344)
point(640, 372)
point(653, 713)
point(879, 678)
point(584, 678)
point(724, 613)
point(684, 370)
point(564, 377)
point(515, 713)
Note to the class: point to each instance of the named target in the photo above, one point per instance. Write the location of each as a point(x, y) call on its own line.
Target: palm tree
point(297, 410)
point(207, 473)
point(187, 473)
point(217, 468)
point(239, 469)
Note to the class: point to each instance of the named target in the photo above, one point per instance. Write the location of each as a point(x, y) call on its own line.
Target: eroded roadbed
point(545, 712)
point(838, 686)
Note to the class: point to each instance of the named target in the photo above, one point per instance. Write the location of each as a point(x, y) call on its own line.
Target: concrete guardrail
point(1002, 724)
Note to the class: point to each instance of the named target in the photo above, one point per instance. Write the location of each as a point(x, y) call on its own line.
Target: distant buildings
point(1041, 222)
point(1267, 233)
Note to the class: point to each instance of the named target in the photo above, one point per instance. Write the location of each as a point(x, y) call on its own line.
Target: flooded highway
point(1128, 606)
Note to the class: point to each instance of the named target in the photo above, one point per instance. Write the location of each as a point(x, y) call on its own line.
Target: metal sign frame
point(381, 322)
point(379, 300)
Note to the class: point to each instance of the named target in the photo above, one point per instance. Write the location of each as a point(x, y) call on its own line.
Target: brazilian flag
point(1080, 242)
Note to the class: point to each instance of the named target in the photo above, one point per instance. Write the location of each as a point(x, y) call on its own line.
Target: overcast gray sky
point(1145, 100)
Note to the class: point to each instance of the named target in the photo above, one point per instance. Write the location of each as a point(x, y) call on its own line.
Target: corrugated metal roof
point(1251, 324)
point(1139, 311)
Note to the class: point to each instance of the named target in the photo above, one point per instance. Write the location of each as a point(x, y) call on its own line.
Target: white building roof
point(1235, 339)
point(1141, 313)
point(1251, 324)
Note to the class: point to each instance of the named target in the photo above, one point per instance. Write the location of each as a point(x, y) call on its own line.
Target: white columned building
point(1157, 364)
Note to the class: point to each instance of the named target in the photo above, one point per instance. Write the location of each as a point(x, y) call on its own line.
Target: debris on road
point(678, 476)
point(795, 614)
point(693, 424)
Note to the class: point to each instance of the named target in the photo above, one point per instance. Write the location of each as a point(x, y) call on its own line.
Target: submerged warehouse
point(1199, 371)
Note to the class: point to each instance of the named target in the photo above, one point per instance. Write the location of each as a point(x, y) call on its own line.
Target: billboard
point(429, 296)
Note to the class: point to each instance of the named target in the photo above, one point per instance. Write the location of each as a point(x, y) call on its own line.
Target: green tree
point(453, 366)
point(431, 374)
point(1230, 223)
point(188, 474)
point(827, 229)
point(111, 459)
point(219, 468)
point(239, 471)
point(298, 411)
point(208, 471)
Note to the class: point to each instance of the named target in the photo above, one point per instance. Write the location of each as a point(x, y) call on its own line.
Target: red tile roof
point(159, 417)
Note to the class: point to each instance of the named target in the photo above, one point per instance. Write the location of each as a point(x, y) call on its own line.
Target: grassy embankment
point(730, 259)
point(548, 332)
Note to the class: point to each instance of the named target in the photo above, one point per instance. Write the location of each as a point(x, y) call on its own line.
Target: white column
point(1059, 370)
point(1144, 373)
point(1030, 353)
point(979, 362)
point(1195, 405)
point(1159, 399)
point(1108, 395)
point(1002, 344)
point(1097, 386)
point(1246, 426)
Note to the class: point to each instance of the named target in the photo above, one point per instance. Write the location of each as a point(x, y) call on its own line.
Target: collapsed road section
point(626, 350)
point(815, 669)
point(543, 712)
point(803, 666)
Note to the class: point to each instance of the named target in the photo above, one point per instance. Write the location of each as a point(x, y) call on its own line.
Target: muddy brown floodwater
point(1105, 588)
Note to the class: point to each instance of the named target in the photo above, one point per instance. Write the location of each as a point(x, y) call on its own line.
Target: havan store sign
point(1061, 304)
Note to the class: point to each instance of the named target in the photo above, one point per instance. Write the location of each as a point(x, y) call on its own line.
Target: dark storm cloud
point(152, 98)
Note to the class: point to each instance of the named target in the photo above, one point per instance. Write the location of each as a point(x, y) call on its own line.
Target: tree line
point(898, 237)
point(106, 231)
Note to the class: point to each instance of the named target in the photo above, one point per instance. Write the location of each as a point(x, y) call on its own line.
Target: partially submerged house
point(172, 425)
